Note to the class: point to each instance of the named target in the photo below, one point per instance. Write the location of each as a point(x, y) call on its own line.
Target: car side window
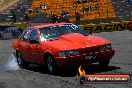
point(34, 35)
point(25, 36)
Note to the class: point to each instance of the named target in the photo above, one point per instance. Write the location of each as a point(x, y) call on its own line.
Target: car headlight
point(68, 53)
point(106, 47)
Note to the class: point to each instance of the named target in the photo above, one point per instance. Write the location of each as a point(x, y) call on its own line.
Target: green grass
point(4, 3)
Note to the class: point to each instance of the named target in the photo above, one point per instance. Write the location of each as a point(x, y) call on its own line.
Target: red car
point(61, 45)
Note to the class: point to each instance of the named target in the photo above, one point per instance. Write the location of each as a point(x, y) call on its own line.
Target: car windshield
point(53, 33)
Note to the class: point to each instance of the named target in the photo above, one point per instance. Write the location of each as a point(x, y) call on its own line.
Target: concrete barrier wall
point(21, 26)
point(9, 32)
point(41, 18)
point(106, 27)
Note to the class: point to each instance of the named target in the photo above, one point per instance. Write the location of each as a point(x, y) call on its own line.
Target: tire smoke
point(11, 63)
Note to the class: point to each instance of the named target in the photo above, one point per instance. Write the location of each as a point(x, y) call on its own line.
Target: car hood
point(75, 41)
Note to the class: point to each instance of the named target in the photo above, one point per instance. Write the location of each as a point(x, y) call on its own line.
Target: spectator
point(30, 10)
point(63, 16)
point(58, 19)
point(54, 18)
point(78, 2)
point(13, 17)
point(26, 17)
point(89, 9)
point(41, 4)
point(44, 7)
point(22, 9)
point(77, 15)
point(67, 17)
point(83, 9)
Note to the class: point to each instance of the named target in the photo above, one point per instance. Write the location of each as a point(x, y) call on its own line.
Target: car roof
point(48, 25)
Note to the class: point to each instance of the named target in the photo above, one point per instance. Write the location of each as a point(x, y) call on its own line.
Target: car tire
point(21, 62)
point(104, 64)
point(50, 64)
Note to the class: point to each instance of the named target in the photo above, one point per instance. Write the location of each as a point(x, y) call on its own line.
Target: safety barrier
point(106, 27)
point(10, 31)
point(21, 26)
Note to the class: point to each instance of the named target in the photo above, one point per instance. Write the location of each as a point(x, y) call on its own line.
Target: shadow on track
point(64, 72)
point(94, 69)
point(72, 72)
point(2, 85)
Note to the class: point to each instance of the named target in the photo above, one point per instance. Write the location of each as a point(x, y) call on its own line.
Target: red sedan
point(61, 45)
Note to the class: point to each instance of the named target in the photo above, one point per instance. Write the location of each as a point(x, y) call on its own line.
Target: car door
point(34, 47)
point(23, 45)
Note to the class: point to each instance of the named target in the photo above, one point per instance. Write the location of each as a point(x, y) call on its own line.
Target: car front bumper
point(92, 57)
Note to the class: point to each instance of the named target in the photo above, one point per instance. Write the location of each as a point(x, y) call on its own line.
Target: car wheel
point(50, 63)
point(104, 63)
point(21, 62)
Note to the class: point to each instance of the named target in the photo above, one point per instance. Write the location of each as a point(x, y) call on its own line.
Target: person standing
point(54, 18)
point(67, 17)
point(22, 9)
point(77, 15)
point(63, 16)
point(13, 17)
point(89, 9)
point(26, 19)
point(44, 7)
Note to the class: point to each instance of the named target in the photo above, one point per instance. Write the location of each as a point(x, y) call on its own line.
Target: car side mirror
point(33, 41)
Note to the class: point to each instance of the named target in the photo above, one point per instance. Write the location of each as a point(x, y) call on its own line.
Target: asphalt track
point(37, 77)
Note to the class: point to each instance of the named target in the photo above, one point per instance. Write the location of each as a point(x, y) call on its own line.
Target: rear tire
point(50, 64)
point(21, 62)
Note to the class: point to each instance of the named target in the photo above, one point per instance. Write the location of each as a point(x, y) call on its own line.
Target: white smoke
point(11, 63)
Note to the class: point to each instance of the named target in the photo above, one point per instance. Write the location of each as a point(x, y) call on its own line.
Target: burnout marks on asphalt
point(2, 85)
